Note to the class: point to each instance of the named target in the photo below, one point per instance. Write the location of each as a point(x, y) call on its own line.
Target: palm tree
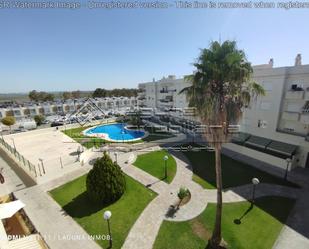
point(221, 87)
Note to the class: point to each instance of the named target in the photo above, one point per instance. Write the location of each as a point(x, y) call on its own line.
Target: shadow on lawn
point(81, 206)
point(238, 221)
point(278, 207)
point(271, 205)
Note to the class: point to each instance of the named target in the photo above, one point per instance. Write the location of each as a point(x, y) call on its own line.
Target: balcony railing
point(292, 116)
point(294, 94)
point(164, 90)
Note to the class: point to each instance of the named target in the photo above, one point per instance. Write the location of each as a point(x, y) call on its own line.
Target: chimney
point(298, 60)
point(271, 62)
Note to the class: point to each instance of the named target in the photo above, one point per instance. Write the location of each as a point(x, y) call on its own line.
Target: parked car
point(56, 123)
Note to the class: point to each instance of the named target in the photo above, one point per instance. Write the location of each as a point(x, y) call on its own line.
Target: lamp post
point(255, 182)
point(107, 215)
point(115, 154)
point(165, 158)
point(288, 161)
point(78, 153)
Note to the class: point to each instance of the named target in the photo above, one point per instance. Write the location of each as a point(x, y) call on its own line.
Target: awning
point(282, 148)
point(240, 137)
point(7, 210)
point(258, 142)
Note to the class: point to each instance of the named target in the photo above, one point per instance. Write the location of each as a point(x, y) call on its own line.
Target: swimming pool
point(115, 133)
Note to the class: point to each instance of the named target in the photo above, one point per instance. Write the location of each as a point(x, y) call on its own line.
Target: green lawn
point(89, 142)
point(258, 229)
point(153, 164)
point(73, 199)
point(234, 173)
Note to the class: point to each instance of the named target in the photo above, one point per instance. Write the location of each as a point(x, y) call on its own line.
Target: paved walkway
point(295, 234)
point(58, 229)
point(144, 232)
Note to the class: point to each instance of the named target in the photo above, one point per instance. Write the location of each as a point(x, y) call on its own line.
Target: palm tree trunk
point(216, 236)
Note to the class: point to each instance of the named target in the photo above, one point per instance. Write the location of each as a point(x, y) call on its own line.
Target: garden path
point(144, 231)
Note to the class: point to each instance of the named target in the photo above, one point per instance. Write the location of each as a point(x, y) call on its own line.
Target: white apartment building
point(281, 115)
point(163, 94)
point(63, 107)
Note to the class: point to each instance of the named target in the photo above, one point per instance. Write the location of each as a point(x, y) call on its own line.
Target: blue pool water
point(116, 132)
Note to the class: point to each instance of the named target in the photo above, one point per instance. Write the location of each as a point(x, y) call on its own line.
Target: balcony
point(299, 94)
point(166, 104)
point(141, 93)
point(166, 90)
point(167, 99)
point(292, 116)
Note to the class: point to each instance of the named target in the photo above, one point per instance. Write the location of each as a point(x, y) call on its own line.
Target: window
point(17, 113)
point(265, 105)
point(262, 123)
point(293, 107)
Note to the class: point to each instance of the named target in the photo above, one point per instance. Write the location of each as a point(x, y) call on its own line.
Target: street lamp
point(255, 182)
point(115, 154)
point(107, 215)
point(288, 161)
point(165, 158)
point(79, 152)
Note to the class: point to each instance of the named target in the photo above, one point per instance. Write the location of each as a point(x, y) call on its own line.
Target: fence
point(24, 163)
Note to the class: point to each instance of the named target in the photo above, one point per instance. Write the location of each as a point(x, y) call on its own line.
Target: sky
point(82, 49)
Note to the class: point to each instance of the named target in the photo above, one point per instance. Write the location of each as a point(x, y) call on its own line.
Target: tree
point(221, 88)
point(135, 119)
point(124, 92)
point(105, 181)
point(33, 95)
point(182, 193)
point(76, 94)
point(48, 97)
point(8, 121)
point(66, 95)
point(99, 93)
point(40, 96)
point(39, 119)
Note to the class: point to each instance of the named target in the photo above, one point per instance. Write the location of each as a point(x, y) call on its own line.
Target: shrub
point(39, 119)
point(105, 181)
point(182, 193)
point(8, 121)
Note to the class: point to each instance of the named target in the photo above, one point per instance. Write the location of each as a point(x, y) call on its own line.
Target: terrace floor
point(50, 145)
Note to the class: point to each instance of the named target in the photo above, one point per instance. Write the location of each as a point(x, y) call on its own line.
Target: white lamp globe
point(165, 158)
point(107, 215)
point(255, 181)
